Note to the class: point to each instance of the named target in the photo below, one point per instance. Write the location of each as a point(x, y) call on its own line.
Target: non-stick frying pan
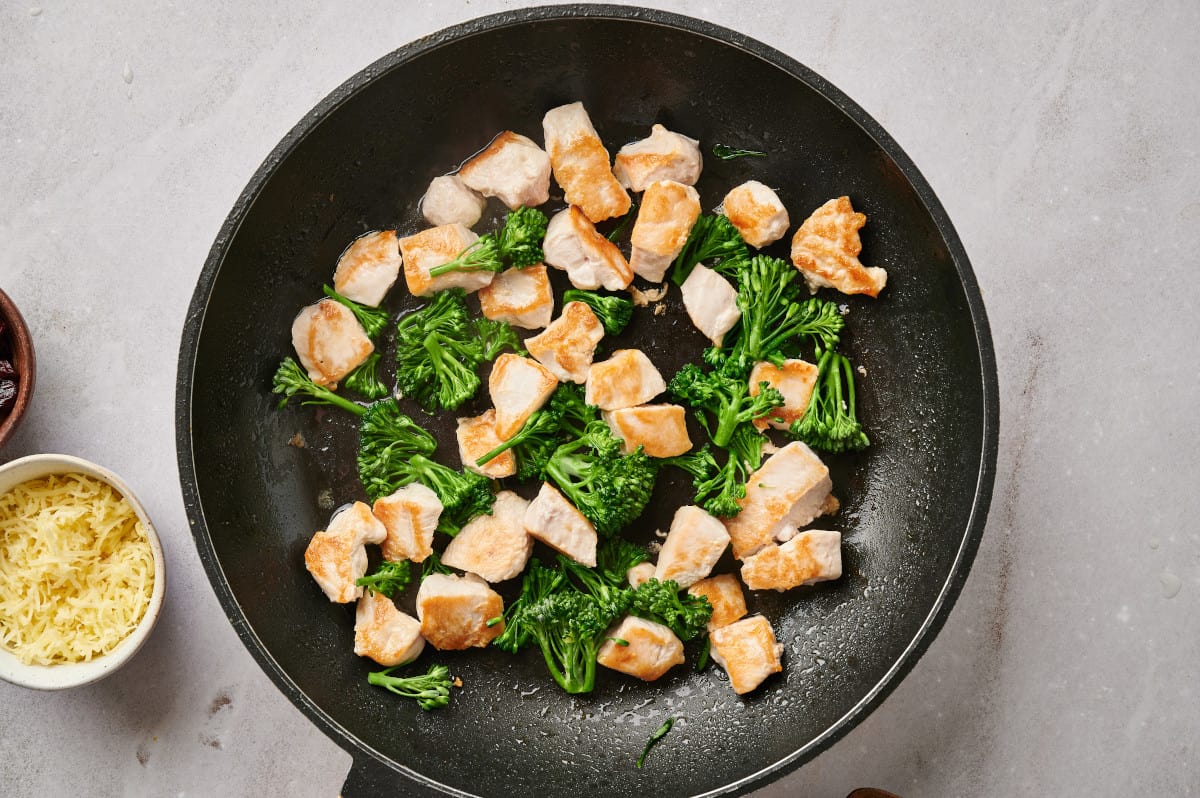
point(913, 504)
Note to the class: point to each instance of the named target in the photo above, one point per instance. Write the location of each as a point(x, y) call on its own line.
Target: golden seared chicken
point(811, 556)
point(626, 379)
point(826, 247)
point(556, 522)
point(449, 200)
point(668, 212)
point(337, 556)
point(790, 490)
point(662, 156)
point(567, 346)
point(757, 212)
point(512, 168)
point(384, 633)
point(455, 610)
point(748, 652)
point(329, 341)
point(589, 259)
point(724, 594)
point(519, 387)
point(410, 515)
point(639, 574)
point(795, 379)
point(521, 297)
point(711, 303)
point(650, 649)
point(434, 247)
point(368, 268)
point(476, 437)
point(496, 546)
point(581, 163)
point(661, 430)
point(693, 545)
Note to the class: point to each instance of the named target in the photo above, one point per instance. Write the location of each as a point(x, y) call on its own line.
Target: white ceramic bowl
point(60, 677)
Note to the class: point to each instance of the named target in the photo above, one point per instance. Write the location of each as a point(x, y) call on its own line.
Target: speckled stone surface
point(1061, 139)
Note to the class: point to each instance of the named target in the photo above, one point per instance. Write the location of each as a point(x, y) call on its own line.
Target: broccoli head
point(720, 486)
point(518, 243)
point(390, 578)
point(290, 380)
point(724, 395)
point(686, 615)
point(614, 312)
point(713, 238)
point(831, 422)
point(365, 379)
point(609, 488)
point(431, 690)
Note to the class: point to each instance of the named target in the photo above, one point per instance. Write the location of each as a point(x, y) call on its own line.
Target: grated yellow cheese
point(76, 569)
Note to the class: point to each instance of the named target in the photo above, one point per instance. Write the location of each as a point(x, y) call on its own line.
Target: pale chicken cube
point(556, 522)
point(640, 574)
point(662, 156)
point(476, 437)
point(329, 341)
point(513, 168)
point(519, 387)
point(521, 297)
point(567, 346)
point(757, 212)
point(449, 200)
point(337, 556)
point(368, 268)
point(496, 546)
point(435, 247)
point(410, 515)
point(711, 303)
point(661, 430)
point(455, 610)
point(590, 260)
point(826, 247)
point(626, 379)
point(795, 379)
point(790, 490)
point(724, 594)
point(384, 633)
point(668, 212)
point(812, 556)
point(650, 649)
point(748, 652)
point(581, 164)
point(693, 546)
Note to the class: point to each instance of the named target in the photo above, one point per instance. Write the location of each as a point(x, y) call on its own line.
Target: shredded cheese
point(76, 569)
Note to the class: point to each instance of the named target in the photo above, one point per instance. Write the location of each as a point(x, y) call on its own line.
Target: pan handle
point(368, 778)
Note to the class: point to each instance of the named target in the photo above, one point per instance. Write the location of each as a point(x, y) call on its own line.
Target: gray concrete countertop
point(1062, 140)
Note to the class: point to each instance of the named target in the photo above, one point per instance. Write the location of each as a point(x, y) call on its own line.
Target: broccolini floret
point(390, 578)
point(683, 613)
point(518, 243)
point(724, 396)
point(290, 381)
point(431, 690)
point(614, 312)
point(714, 239)
point(365, 379)
point(609, 488)
point(831, 421)
point(719, 487)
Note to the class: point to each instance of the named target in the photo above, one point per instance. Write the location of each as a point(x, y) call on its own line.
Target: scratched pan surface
point(913, 505)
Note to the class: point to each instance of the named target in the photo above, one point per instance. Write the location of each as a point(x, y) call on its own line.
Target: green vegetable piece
point(365, 379)
point(619, 230)
point(373, 320)
point(724, 395)
point(390, 578)
point(431, 690)
point(433, 565)
point(713, 238)
point(831, 421)
point(719, 486)
point(702, 660)
point(614, 312)
point(686, 615)
point(654, 738)
point(290, 381)
point(517, 244)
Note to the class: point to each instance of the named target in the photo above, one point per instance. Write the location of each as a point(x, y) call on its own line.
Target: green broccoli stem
point(578, 674)
point(481, 255)
point(290, 380)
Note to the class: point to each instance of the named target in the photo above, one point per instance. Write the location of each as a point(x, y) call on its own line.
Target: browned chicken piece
point(814, 555)
point(519, 387)
point(662, 156)
point(449, 200)
point(795, 379)
point(661, 430)
point(711, 303)
point(567, 346)
point(329, 342)
point(476, 437)
point(790, 490)
point(434, 247)
point(724, 593)
point(410, 515)
point(521, 297)
point(693, 545)
point(581, 164)
point(556, 522)
point(748, 652)
point(590, 260)
point(496, 546)
point(626, 379)
point(826, 247)
point(384, 633)
point(368, 268)
point(337, 556)
point(651, 649)
point(668, 212)
point(513, 168)
point(639, 574)
point(757, 213)
point(455, 610)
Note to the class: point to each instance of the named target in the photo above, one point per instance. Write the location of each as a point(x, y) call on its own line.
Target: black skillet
point(913, 505)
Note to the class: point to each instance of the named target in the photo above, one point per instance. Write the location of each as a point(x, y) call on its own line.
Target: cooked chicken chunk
point(789, 490)
point(476, 437)
point(711, 302)
point(519, 387)
point(329, 341)
point(652, 649)
point(757, 213)
point(581, 163)
point(410, 515)
point(455, 610)
point(668, 211)
point(795, 380)
point(662, 156)
point(589, 259)
point(724, 593)
point(826, 247)
point(811, 556)
point(626, 379)
point(513, 168)
point(556, 522)
point(566, 347)
point(433, 247)
point(449, 200)
point(368, 268)
point(337, 556)
point(640, 573)
point(661, 430)
point(384, 633)
point(494, 546)
point(693, 545)
point(748, 652)
point(521, 297)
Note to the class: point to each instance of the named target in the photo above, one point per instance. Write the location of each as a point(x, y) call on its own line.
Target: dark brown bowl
point(23, 360)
